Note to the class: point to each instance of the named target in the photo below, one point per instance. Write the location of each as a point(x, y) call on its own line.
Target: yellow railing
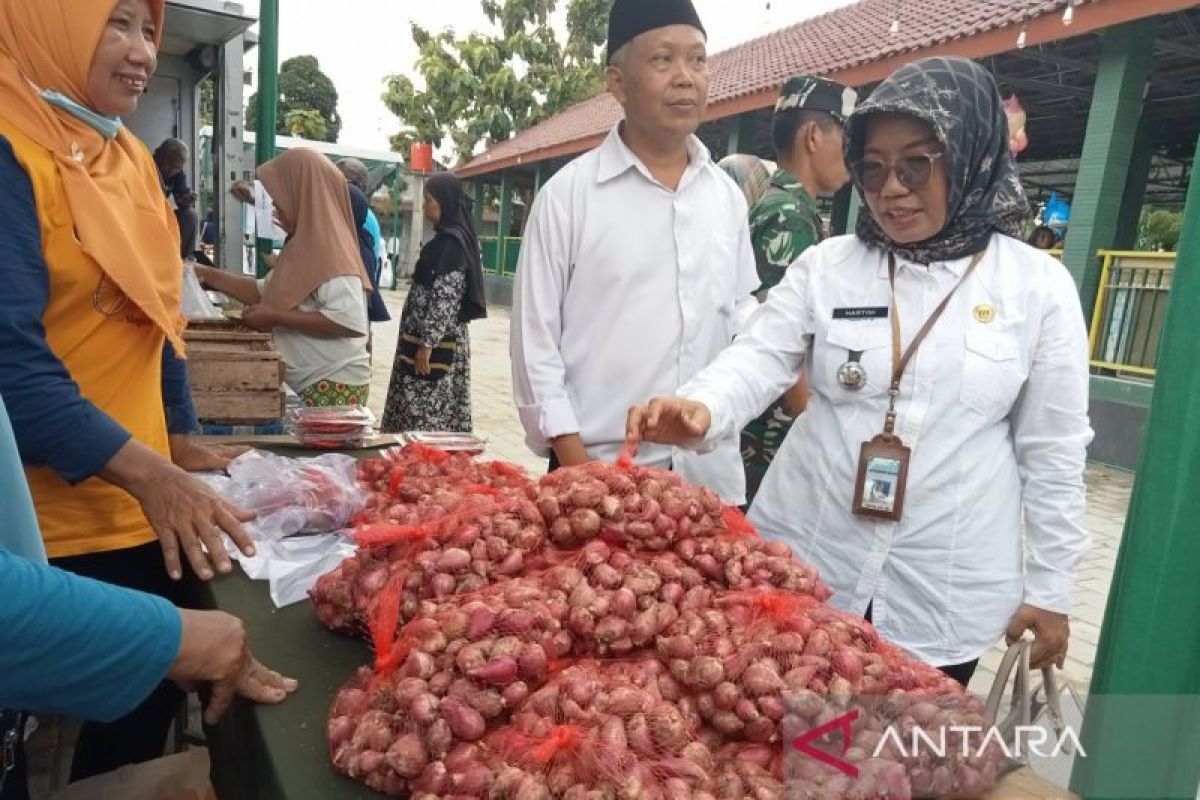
point(1131, 305)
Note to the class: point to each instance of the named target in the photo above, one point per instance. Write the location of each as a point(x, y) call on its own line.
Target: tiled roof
point(829, 44)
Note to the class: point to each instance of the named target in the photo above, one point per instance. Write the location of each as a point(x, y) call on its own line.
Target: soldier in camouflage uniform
point(807, 133)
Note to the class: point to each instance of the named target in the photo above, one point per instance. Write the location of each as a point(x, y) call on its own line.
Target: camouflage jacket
point(783, 224)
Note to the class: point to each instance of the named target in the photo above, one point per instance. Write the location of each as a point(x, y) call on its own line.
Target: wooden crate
point(235, 373)
point(225, 334)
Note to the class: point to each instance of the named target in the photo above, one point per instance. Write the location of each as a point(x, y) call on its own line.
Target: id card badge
point(882, 478)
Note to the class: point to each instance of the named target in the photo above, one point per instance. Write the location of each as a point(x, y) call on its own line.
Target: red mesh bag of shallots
point(636, 507)
point(404, 482)
point(603, 726)
point(485, 539)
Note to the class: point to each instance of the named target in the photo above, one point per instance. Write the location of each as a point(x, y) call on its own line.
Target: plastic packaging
point(195, 302)
point(467, 443)
point(316, 495)
point(333, 427)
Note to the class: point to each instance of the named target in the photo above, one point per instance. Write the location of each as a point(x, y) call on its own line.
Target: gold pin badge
point(985, 313)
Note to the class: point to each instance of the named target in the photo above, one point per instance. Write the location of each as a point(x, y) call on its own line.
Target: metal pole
point(1141, 732)
point(268, 100)
point(229, 162)
point(506, 187)
point(397, 198)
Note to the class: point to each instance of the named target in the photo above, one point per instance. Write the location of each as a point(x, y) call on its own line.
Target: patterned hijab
point(958, 99)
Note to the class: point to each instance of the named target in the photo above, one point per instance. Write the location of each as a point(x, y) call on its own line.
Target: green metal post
point(1130, 216)
point(1126, 59)
point(502, 232)
point(840, 215)
point(480, 199)
point(742, 134)
point(268, 99)
point(1141, 733)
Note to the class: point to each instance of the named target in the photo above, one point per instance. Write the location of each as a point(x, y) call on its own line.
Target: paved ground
point(496, 419)
point(491, 382)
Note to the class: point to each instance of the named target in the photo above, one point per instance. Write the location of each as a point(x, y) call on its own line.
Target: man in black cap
point(807, 133)
point(636, 268)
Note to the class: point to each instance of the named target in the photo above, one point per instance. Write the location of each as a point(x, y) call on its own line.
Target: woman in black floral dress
point(431, 378)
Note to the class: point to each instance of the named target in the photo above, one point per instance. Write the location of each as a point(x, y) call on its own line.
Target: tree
point(307, 123)
point(208, 101)
point(483, 88)
point(1160, 229)
point(302, 87)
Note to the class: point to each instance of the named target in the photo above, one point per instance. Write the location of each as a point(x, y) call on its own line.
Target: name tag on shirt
point(866, 312)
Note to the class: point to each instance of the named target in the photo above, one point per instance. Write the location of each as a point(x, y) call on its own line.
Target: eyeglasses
point(914, 172)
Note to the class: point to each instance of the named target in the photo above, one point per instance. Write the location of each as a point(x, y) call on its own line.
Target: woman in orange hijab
point(92, 284)
point(315, 299)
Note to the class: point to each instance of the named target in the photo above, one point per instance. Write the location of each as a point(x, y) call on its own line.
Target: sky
point(358, 49)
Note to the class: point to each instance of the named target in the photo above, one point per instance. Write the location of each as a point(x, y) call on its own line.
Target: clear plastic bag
point(291, 496)
point(195, 302)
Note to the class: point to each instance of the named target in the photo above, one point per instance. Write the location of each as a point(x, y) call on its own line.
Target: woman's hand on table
point(192, 457)
point(421, 360)
point(185, 514)
point(214, 649)
point(668, 420)
point(260, 317)
point(1051, 632)
point(189, 517)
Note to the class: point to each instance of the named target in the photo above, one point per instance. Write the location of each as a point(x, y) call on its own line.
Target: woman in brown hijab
point(315, 299)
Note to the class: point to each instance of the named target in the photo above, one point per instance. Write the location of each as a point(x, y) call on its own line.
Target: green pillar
point(480, 199)
point(268, 98)
point(1126, 59)
point(502, 232)
point(1130, 216)
point(742, 133)
point(1141, 733)
point(840, 216)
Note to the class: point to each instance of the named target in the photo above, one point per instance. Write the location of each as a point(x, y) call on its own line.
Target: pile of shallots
point(610, 632)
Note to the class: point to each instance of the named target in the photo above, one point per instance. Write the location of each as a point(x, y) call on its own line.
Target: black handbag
point(441, 360)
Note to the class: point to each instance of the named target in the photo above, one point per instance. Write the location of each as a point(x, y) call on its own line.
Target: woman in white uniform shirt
point(315, 299)
point(992, 405)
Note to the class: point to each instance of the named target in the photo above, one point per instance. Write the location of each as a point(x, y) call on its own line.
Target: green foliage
point(307, 123)
point(1160, 229)
point(207, 101)
point(303, 87)
point(483, 88)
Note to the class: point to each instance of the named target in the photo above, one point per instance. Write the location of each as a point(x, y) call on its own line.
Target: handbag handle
point(1020, 712)
point(1028, 702)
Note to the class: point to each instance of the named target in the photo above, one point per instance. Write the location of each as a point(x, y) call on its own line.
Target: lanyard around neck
point(900, 360)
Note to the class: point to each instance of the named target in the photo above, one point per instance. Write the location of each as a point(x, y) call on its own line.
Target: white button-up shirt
point(993, 406)
point(624, 291)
